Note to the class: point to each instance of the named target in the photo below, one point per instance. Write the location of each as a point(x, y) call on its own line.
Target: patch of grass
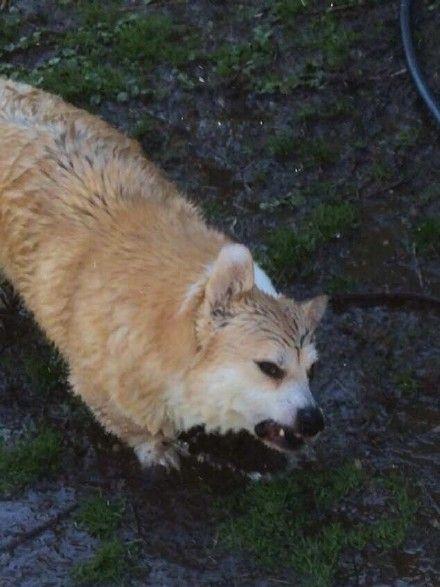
point(77, 79)
point(110, 54)
point(333, 39)
point(44, 374)
point(407, 384)
point(287, 9)
point(282, 145)
point(94, 13)
point(430, 193)
point(313, 151)
point(427, 236)
point(145, 124)
point(245, 58)
point(10, 26)
point(381, 171)
point(288, 248)
point(331, 220)
point(213, 210)
point(407, 137)
point(29, 460)
point(317, 151)
point(340, 284)
point(150, 40)
point(100, 517)
point(293, 521)
point(293, 199)
point(311, 112)
point(107, 566)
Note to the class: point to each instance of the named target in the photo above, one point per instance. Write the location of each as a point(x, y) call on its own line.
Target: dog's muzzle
point(309, 422)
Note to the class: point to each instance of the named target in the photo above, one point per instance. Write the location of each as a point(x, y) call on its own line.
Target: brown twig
point(37, 530)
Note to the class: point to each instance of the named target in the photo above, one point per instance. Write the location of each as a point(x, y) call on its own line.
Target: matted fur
point(157, 315)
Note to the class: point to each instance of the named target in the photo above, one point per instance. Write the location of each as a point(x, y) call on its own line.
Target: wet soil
point(211, 137)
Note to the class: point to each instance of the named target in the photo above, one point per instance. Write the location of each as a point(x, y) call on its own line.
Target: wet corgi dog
point(165, 322)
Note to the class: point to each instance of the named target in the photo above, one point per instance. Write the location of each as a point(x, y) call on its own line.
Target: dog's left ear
point(232, 275)
point(314, 310)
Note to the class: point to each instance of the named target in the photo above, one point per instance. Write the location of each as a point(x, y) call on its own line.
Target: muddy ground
point(272, 113)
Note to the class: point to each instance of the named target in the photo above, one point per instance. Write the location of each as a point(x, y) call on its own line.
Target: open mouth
point(278, 436)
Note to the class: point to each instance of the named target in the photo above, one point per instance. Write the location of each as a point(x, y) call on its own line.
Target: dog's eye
point(311, 372)
point(270, 369)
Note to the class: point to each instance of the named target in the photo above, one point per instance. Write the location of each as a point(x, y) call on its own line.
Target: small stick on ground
point(37, 530)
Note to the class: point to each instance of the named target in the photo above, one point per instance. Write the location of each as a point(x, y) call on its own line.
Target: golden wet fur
point(157, 315)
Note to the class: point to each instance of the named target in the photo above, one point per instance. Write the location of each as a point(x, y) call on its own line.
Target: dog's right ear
point(231, 275)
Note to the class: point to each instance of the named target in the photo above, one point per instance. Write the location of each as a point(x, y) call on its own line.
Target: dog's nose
point(310, 421)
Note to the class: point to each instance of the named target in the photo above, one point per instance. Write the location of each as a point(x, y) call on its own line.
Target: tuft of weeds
point(108, 565)
point(29, 460)
point(427, 236)
point(100, 517)
point(293, 520)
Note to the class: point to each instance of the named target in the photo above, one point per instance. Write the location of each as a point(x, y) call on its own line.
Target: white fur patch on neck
point(263, 282)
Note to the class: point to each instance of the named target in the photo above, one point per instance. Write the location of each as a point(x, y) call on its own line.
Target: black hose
point(413, 66)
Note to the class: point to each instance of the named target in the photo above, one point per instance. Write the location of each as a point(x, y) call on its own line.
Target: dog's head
point(255, 356)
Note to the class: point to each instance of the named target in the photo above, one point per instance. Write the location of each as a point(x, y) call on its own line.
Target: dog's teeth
point(281, 432)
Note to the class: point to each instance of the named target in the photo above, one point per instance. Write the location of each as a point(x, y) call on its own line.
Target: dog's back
point(67, 181)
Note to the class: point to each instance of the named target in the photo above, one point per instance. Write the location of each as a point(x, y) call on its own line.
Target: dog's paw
point(159, 453)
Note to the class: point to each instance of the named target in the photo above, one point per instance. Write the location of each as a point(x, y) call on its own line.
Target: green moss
point(100, 517)
point(29, 460)
point(292, 520)
point(427, 236)
point(108, 566)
